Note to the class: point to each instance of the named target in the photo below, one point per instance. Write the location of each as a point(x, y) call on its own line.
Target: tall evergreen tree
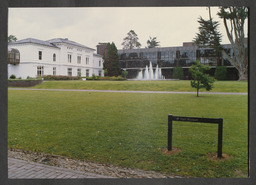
point(152, 43)
point(209, 36)
point(111, 63)
point(131, 41)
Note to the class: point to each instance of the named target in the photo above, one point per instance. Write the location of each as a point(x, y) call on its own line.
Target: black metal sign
point(218, 121)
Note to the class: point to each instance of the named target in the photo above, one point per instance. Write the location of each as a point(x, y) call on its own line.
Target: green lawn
point(184, 85)
point(129, 129)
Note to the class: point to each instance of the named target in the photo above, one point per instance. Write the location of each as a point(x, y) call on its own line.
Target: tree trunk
point(243, 76)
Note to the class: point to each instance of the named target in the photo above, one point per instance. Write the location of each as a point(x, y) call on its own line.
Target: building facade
point(59, 57)
point(166, 58)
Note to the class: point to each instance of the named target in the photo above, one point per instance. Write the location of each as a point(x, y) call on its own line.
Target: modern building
point(32, 58)
point(166, 58)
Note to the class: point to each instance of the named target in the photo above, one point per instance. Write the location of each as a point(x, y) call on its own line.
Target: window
point(99, 73)
point(40, 70)
point(99, 63)
point(54, 70)
point(69, 58)
point(79, 59)
point(87, 61)
point(69, 71)
point(40, 55)
point(79, 72)
point(17, 56)
point(87, 72)
point(54, 57)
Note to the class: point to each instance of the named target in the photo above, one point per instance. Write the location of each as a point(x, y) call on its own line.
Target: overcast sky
point(88, 26)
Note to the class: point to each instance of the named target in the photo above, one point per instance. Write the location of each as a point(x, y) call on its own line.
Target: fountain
point(150, 74)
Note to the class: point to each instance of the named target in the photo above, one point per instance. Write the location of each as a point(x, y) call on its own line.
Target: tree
point(12, 38)
point(209, 36)
point(131, 41)
point(236, 17)
point(200, 78)
point(152, 43)
point(111, 63)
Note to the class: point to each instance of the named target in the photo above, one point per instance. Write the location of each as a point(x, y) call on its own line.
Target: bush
point(220, 73)
point(124, 74)
point(178, 73)
point(112, 78)
point(53, 77)
point(118, 78)
point(12, 76)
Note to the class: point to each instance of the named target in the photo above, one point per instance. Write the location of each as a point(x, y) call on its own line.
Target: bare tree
point(235, 17)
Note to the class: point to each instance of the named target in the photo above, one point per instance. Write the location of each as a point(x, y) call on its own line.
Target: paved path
point(24, 169)
point(161, 92)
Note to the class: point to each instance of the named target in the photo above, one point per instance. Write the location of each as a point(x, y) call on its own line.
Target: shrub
point(178, 73)
point(118, 78)
point(124, 74)
point(12, 76)
point(53, 77)
point(94, 77)
point(112, 78)
point(220, 73)
point(29, 78)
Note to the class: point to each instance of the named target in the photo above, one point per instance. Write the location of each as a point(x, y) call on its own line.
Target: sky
point(89, 26)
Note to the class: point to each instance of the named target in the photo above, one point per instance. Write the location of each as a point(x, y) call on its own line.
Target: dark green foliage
point(209, 36)
point(12, 76)
point(220, 73)
point(53, 77)
point(12, 38)
point(124, 73)
point(111, 63)
point(112, 78)
point(200, 78)
point(178, 73)
point(152, 43)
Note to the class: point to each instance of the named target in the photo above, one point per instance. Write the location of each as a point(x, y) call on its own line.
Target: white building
point(54, 57)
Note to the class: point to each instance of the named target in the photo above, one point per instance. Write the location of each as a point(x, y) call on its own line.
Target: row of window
point(171, 55)
point(79, 58)
point(40, 71)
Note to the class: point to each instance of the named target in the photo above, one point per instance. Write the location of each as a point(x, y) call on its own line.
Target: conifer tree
point(111, 63)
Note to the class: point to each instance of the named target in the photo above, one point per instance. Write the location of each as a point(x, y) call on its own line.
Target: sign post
point(218, 121)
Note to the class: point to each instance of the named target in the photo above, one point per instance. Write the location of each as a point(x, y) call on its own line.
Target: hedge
point(220, 73)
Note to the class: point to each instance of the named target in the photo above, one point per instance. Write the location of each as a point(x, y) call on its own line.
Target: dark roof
point(35, 41)
point(61, 40)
